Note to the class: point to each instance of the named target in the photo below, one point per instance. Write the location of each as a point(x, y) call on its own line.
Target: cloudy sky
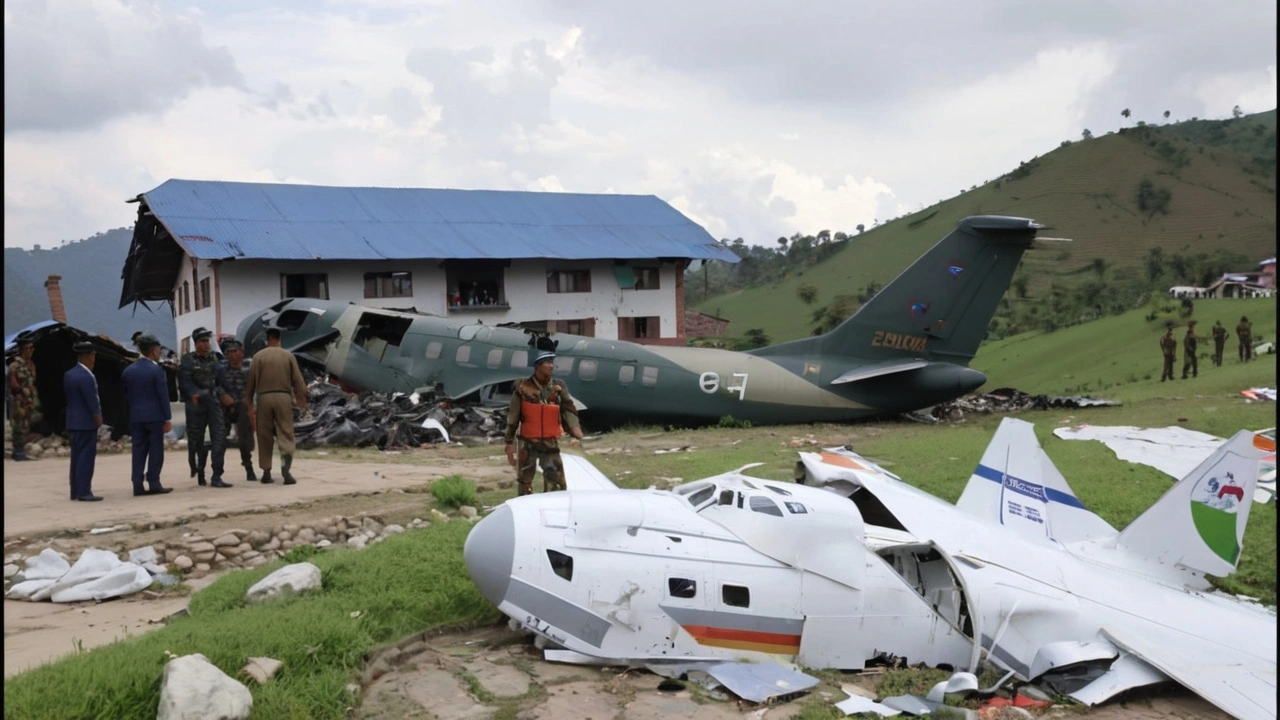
point(756, 119)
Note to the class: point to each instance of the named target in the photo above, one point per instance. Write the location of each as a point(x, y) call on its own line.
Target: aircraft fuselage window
point(495, 358)
point(778, 490)
point(587, 369)
point(291, 319)
point(764, 505)
point(702, 495)
point(626, 374)
point(520, 358)
point(735, 595)
point(463, 354)
point(649, 377)
point(726, 497)
point(796, 508)
point(433, 349)
point(561, 564)
point(682, 587)
point(563, 365)
point(739, 499)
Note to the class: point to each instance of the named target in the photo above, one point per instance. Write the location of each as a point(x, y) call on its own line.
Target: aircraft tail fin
point(939, 307)
point(1199, 523)
point(1018, 486)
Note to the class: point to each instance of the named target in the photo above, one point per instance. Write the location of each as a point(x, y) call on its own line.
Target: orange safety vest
point(540, 420)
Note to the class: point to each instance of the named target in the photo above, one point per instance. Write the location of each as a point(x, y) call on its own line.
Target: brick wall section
point(57, 310)
point(702, 325)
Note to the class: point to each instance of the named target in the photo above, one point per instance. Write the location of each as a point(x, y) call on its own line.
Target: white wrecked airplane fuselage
point(740, 568)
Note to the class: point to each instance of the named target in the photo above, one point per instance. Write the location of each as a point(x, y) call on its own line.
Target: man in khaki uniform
point(1244, 331)
point(541, 409)
point(275, 378)
point(1168, 348)
point(1219, 342)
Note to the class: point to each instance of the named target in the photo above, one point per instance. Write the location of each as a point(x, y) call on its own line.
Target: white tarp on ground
point(1172, 450)
point(97, 575)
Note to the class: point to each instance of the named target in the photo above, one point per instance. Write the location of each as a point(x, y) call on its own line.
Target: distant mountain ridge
point(90, 284)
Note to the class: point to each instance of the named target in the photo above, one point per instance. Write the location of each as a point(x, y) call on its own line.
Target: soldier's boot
point(217, 481)
point(266, 477)
point(249, 475)
point(200, 479)
point(525, 488)
point(285, 462)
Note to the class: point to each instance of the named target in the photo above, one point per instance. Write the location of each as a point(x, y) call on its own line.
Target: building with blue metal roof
point(604, 265)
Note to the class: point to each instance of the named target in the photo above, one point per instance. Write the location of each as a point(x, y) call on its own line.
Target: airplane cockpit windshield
point(749, 496)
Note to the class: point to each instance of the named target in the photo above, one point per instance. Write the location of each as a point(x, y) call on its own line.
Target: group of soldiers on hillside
point(1190, 364)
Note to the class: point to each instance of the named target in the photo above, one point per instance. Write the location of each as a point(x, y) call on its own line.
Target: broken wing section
point(1018, 486)
point(580, 474)
point(1199, 523)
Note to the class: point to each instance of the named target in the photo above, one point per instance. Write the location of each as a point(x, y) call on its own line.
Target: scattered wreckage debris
point(96, 575)
point(1003, 400)
point(1260, 393)
point(391, 420)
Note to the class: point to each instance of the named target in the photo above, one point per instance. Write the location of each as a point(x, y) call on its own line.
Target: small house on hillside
point(608, 266)
point(700, 324)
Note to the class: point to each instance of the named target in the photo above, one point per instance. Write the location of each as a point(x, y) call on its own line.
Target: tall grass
point(409, 583)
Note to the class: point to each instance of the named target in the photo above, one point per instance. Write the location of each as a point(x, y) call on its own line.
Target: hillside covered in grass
point(1146, 207)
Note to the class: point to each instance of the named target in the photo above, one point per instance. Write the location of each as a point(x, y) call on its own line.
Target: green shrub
point(454, 491)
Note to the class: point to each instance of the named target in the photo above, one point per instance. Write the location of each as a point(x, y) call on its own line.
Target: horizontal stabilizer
point(879, 369)
point(580, 474)
point(1017, 485)
point(1199, 523)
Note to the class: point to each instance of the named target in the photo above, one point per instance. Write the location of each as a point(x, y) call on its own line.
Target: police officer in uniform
point(1219, 342)
point(1189, 361)
point(232, 375)
point(1169, 348)
point(541, 408)
point(197, 380)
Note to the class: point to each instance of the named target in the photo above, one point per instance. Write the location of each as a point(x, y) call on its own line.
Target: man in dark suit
point(149, 415)
point(84, 417)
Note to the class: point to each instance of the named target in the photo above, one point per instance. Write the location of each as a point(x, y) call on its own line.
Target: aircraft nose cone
point(489, 552)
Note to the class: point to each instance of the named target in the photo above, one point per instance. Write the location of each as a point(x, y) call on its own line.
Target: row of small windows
point(732, 595)
point(588, 368)
point(759, 503)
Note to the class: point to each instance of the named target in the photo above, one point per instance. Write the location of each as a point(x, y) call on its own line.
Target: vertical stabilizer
point(1199, 523)
point(1016, 485)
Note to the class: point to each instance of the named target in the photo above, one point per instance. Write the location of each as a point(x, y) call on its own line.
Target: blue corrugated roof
point(215, 220)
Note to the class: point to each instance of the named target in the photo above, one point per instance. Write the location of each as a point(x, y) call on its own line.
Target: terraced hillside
point(1214, 198)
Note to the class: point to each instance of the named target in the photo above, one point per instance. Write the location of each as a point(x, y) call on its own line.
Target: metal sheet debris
point(391, 420)
point(859, 704)
point(761, 682)
point(1005, 400)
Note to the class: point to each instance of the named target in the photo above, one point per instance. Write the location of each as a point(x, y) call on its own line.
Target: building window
point(388, 284)
point(561, 564)
point(475, 282)
point(186, 345)
point(632, 328)
point(495, 359)
point(203, 297)
point(304, 285)
point(735, 595)
point(585, 327)
point(646, 278)
point(186, 296)
point(649, 377)
point(682, 587)
point(587, 369)
point(568, 281)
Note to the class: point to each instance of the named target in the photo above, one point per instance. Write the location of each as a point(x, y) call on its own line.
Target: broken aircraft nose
point(489, 552)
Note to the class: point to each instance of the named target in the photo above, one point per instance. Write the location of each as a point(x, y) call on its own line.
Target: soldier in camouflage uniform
point(541, 408)
point(198, 383)
point(1169, 348)
point(1189, 343)
point(232, 374)
point(1244, 331)
point(24, 402)
point(1219, 342)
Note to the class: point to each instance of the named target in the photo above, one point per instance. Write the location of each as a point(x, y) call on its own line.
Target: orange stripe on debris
point(744, 639)
point(834, 459)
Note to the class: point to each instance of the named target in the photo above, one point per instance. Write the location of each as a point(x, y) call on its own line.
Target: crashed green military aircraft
point(908, 348)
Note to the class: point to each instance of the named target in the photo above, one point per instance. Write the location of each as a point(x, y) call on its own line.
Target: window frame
point(735, 602)
point(577, 280)
point(388, 284)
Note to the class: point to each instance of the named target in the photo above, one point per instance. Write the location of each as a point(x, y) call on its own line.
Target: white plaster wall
point(244, 287)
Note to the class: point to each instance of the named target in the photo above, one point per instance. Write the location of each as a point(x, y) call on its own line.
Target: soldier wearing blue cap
point(197, 381)
point(541, 409)
point(84, 417)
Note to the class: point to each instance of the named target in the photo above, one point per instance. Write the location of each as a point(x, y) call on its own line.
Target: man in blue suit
point(149, 414)
point(84, 417)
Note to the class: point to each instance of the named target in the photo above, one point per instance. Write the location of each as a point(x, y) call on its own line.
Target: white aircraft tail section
point(1199, 523)
point(1017, 485)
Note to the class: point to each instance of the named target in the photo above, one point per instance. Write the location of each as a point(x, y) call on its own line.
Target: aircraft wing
point(580, 474)
point(1242, 686)
point(879, 369)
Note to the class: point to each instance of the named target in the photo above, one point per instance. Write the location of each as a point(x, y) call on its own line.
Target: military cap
point(201, 333)
point(22, 342)
point(229, 344)
point(146, 341)
point(543, 357)
point(135, 335)
point(82, 347)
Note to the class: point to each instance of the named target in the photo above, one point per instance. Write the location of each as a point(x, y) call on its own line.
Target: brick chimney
point(56, 307)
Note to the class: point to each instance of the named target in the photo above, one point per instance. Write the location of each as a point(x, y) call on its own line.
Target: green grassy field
point(1085, 191)
point(416, 581)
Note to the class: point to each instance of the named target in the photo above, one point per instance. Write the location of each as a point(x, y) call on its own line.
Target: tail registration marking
point(898, 341)
point(709, 382)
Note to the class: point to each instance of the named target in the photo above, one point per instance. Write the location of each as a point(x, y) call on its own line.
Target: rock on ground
point(298, 577)
point(195, 689)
